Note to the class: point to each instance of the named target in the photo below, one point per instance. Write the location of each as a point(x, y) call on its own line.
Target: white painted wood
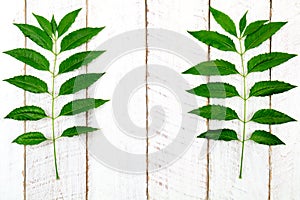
point(185, 178)
point(224, 160)
point(12, 155)
point(285, 159)
point(41, 182)
point(105, 182)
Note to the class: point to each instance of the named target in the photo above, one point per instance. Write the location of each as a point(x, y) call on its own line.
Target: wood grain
point(12, 155)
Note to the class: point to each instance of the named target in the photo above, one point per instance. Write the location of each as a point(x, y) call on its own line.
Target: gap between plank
point(270, 106)
point(147, 108)
point(86, 116)
point(207, 121)
point(24, 68)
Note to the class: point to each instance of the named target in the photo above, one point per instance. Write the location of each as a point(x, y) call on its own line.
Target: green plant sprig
point(249, 37)
point(47, 37)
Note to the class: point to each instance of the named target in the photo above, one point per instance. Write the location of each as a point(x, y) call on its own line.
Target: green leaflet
point(220, 134)
point(215, 112)
point(266, 88)
point(79, 37)
point(45, 24)
point(31, 113)
point(243, 23)
point(213, 68)
point(214, 39)
point(77, 130)
point(254, 26)
point(36, 35)
point(215, 90)
point(81, 105)
point(67, 22)
point(267, 61)
point(31, 138)
point(270, 116)
point(262, 34)
point(225, 22)
point(78, 83)
point(77, 60)
point(30, 57)
point(29, 83)
point(53, 25)
point(266, 138)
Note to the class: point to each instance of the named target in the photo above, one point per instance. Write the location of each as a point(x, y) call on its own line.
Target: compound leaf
point(77, 130)
point(266, 138)
point(30, 57)
point(215, 90)
point(220, 134)
point(67, 22)
point(36, 35)
point(214, 39)
point(224, 20)
point(78, 37)
point(29, 83)
point(213, 68)
point(78, 83)
point(215, 112)
point(267, 61)
point(81, 105)
point(266, 88)
point(77, 60)
point(270, 116)
point(262, 34)
point(31, 113)
point(30, 138)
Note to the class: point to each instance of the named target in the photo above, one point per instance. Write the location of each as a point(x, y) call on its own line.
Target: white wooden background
point(269, 173)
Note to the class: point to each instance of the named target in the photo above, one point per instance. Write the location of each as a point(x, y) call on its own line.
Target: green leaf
point(220, 134)
point(31, 138)
point(78, 83)
point(31, 113)
point(29, 83)
point(243, 23)
point(31, 58)
point(36, 35)
point(225, 22)
point(267, 88)
point(77, 60)
point(270, 116)
point(214, 39)
point(216, 112)
point(254, 26)
point(267, 61)
point(44, 23)
point(262, 34)
point(67, 22)
point(213, 68)
point(81, 105)
point(78, 38)
point(53, 25)
point(77, 130)
point(215, 90)
point(264, 137)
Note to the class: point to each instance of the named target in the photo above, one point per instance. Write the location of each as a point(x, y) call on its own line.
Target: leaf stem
point(245, 105)
point(53, 106)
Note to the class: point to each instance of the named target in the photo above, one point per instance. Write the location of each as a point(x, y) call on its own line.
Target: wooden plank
point(177, 162)
point(285, 159)
point(12, 155)
point(108, 173)
point(225, 156)
point(41, 182)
